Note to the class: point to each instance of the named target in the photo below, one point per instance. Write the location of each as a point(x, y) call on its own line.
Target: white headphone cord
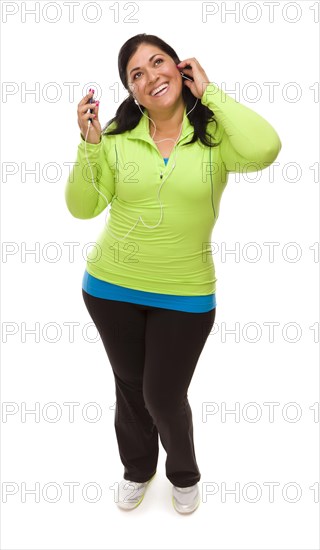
point(140, 217)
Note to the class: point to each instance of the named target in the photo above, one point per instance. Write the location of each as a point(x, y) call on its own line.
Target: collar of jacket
point(141, 131)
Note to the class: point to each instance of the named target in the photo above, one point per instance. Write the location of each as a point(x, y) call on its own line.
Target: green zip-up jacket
point(174, 257)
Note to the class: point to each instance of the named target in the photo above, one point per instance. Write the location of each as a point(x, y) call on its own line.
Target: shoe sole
point(141, 499)
point(186, 511)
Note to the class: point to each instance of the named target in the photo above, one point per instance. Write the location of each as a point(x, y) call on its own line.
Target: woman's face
point(145, 75)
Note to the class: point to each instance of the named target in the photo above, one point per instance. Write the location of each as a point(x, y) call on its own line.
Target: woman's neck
point(166, 123)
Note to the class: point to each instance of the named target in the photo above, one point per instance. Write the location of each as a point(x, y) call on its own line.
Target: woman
point(149, 285)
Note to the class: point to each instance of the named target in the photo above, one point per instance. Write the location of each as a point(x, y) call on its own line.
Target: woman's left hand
point(197, 73)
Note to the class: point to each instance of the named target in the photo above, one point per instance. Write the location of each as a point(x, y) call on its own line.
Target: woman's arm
point(246, 136)
point(82, 199)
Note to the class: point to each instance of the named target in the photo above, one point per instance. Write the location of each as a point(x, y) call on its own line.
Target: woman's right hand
point(94, 134)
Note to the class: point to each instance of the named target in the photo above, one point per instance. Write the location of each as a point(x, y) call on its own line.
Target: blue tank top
point(102, 289)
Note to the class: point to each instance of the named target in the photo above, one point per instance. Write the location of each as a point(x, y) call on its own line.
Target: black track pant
point(153, 353)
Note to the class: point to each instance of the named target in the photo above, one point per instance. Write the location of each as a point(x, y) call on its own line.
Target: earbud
point(184, 76)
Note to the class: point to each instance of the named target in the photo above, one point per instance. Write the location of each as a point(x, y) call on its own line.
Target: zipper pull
point(161, 174)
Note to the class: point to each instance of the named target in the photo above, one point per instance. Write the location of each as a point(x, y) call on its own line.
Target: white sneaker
point(185, 499)
point(131, 493)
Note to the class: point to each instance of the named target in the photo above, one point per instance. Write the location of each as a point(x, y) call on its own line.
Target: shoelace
point(136, 484)
point(185, 489)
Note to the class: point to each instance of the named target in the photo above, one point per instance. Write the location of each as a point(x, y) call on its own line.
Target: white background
point(37, 293)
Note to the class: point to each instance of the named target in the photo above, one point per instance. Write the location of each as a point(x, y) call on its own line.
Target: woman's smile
point(162, 92)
